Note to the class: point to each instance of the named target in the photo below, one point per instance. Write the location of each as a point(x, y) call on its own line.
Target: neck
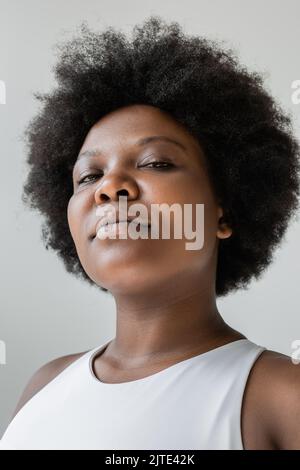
point(160, 326)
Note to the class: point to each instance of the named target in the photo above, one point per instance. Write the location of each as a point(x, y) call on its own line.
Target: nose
point(112, 187)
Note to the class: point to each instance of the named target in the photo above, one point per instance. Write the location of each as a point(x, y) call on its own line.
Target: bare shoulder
point(43, 376)
point(271, 405)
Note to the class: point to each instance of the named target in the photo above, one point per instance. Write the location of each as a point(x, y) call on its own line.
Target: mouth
point(120, 226)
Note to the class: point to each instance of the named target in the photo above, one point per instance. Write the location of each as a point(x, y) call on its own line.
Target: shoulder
point(272, 403)
point(43, 376)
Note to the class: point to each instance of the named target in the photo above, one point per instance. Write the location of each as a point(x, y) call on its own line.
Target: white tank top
point(193, 404)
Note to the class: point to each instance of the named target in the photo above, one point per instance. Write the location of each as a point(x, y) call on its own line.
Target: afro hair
point(248, 141)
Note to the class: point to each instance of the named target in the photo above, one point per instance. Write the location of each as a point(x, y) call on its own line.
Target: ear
point(224, 230)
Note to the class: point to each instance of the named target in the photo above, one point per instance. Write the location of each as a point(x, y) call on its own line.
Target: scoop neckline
point(148, 378)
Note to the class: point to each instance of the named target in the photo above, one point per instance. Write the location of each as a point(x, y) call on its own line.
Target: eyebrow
point(140, 142)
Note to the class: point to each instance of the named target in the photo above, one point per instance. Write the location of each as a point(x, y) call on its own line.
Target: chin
point(126, 281)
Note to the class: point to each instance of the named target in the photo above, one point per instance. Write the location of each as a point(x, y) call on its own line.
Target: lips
point(109, 219)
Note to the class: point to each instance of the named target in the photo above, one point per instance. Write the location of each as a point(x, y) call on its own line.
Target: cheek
point(76, 218)
point(71, 216)
point(189, 189)
point(196, 189)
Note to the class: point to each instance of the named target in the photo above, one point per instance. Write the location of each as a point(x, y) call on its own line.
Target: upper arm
point(272, 418)
point(43, 376)
point(285, 404)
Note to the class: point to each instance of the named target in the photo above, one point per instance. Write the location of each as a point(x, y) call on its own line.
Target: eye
point(160, 164)
point(83, 180)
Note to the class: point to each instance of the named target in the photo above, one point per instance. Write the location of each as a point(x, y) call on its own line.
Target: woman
point(162, 119)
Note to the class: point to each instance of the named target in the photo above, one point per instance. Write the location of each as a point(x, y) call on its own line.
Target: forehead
point(126, 125)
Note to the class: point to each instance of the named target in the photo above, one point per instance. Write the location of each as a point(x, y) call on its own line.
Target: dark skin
point(152, 281)
point(165, 296)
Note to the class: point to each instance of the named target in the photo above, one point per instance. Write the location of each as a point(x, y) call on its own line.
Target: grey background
point(45, 312)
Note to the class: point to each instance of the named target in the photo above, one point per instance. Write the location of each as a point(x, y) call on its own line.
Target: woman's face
point(110, 160)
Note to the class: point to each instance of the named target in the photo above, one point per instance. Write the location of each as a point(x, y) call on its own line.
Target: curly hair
point(248, 141)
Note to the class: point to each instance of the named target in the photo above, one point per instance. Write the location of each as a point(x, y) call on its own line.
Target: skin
point(165, 295)
point(152, 281)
